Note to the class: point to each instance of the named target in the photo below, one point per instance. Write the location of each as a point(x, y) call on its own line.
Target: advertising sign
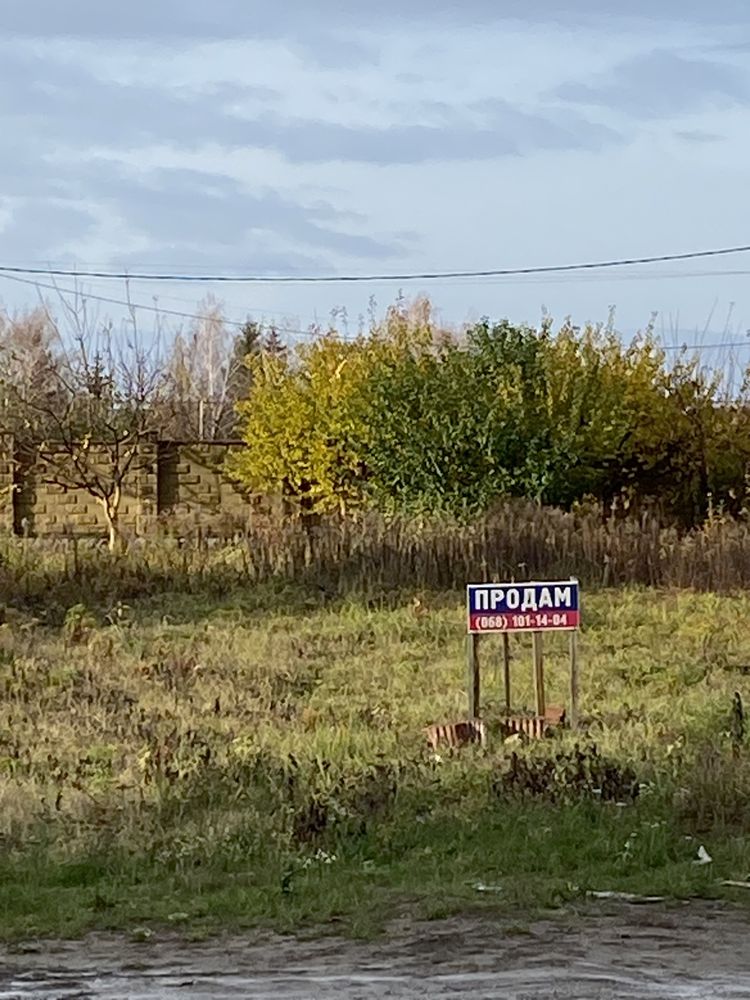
point(523, 607)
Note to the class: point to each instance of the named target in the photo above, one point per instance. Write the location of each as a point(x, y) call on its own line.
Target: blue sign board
point(524, 607)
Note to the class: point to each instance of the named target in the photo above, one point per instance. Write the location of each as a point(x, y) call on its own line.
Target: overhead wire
point(142, 307)
point(352, 278)
point(602, 277)
point(130, 304)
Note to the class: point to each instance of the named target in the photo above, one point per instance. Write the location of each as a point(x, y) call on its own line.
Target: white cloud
point(661, 83)
point(400, 136)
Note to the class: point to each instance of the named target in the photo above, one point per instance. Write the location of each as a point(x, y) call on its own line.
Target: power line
point(599, 277)
point(653, 274)
point(705, 347)
point(141, 307)
point(351, 278)
point(165, 296)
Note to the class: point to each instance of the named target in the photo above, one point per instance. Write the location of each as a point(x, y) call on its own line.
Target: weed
point(568, 776)
point(212, 756)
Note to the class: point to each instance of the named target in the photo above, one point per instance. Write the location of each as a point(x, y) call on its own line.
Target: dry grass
point(372, 557)
point(200, 727)
point(212, 754)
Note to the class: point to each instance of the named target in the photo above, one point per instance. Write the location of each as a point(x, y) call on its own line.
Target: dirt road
point(686, 952)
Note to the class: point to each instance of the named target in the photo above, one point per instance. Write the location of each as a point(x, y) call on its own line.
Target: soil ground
point(658, 952)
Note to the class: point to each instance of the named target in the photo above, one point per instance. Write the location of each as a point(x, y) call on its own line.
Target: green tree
point(694, 451)
point(412, 418)
point(299, 426)
point(305, 424)
point(273, 345)
point(602, 398)
point(453, 427)
point(247, 344)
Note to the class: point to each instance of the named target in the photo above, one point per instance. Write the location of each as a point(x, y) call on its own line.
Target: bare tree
point(88, 433)
point(30, 356)
point(209, 376)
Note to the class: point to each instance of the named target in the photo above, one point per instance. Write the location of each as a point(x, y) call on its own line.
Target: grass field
point(258, 759)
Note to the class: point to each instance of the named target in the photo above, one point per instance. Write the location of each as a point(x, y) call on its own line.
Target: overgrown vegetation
point(80, 401)
point(221, 734)
point(234, 755)
point(376, 559)
point(407, 419)
point(410, 418)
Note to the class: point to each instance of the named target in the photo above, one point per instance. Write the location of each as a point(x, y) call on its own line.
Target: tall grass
point(372, 555)
point(233, 730)
point(260, 758)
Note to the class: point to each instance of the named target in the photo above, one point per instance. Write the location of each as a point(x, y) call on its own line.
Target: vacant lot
point(256, 758)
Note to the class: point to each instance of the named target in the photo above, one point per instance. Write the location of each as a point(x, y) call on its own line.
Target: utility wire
point(602, 277)
point(351, 278)
point(142, 307)
point(705, 347)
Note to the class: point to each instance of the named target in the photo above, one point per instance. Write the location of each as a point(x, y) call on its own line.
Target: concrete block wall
point(6, 482)
point(43, 507)
point(194, 486)
point(182, 479)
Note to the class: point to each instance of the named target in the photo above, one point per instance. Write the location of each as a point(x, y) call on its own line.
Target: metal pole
point(506, 671)
point(473, 674)
point(538, 640)
point(573, 680)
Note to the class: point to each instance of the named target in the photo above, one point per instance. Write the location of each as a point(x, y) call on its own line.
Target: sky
point(335, 138)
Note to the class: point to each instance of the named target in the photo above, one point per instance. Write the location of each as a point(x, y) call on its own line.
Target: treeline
point(80, 397)
point(412, 419)
point(406, 418)
point(186, 382)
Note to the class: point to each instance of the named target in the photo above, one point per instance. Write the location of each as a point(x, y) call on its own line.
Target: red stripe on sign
point(534, 621)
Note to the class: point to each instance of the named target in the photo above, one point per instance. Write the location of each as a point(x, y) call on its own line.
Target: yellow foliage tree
point(604, 399)
point(303, 442)
point(304, 425)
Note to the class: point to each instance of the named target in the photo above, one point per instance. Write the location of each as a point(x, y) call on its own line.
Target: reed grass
point(373, 557)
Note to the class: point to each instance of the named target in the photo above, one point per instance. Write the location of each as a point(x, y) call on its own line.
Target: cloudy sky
point(302, 138)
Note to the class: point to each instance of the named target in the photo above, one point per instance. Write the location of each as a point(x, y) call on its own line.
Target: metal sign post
point(473, 674)
point(574, 680)
point(507, 608)
point(506, 671)
point(537, 639)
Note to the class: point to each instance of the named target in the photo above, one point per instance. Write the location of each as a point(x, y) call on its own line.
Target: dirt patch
point(683, 952)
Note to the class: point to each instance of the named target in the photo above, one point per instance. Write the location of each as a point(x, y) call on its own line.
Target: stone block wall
point(180, 481)
point(6, 482)
point(193, 485)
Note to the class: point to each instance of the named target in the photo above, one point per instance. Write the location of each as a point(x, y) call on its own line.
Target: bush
point(407, 420)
